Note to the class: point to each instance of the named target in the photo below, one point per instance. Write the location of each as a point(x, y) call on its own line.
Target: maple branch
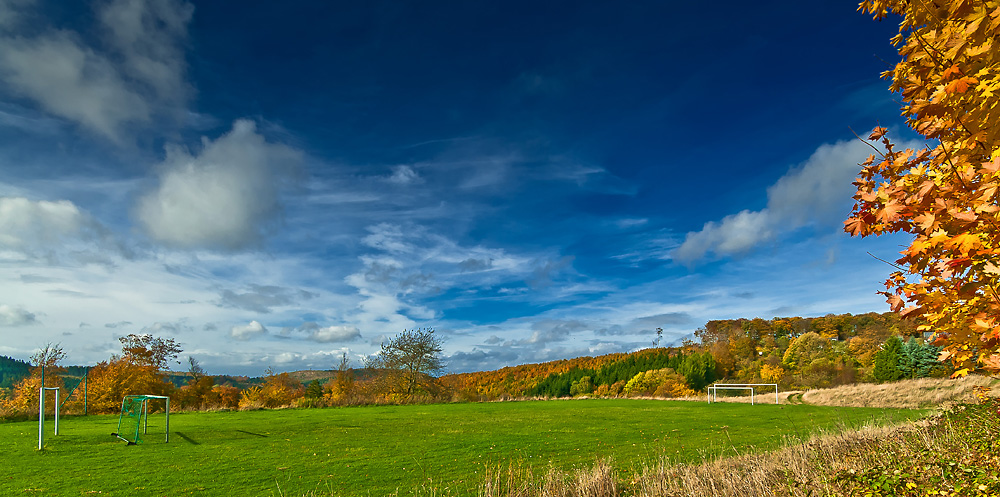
point(866, 142)
point(897, 266)
point(954, 170)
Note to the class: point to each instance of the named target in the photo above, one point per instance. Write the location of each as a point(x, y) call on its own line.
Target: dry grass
point(799, 469)
point(920, 393)
point(517, 480)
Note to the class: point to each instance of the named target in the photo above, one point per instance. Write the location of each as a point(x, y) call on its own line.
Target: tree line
point(792, 352)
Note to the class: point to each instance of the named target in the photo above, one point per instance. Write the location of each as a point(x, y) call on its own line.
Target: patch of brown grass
point(919, 393)
point(517, 480)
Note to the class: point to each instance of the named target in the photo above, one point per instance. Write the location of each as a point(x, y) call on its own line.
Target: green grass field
point(377, 450)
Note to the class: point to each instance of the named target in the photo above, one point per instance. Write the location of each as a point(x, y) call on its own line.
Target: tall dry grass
point(919, 393)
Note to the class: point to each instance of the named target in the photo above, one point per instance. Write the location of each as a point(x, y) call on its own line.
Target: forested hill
point(790, 351)
point(12, 370)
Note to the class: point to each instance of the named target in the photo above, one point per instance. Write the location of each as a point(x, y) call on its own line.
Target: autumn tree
point(342, 387)
point(45, 370)
point(198, 387)
point(407, 363)
point(147, 350)
point(946, 194)
point(137, 371)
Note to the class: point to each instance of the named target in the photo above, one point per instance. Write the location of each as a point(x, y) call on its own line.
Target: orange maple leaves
point(947, 195)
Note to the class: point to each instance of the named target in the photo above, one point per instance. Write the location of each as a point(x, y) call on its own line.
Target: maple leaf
point(895, 302)
point(963, 243)
point(960, 85)
point(990, 268)
point(855, 226)
point(951, 71)
point(890, 213)
point(877, 133)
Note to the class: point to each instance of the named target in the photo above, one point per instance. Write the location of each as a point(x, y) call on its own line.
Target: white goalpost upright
point(41, 414)
point(713, 390)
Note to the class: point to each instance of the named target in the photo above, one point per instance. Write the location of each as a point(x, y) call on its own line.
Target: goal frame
point(41, 414)
point(144, 417)
point(713, 390)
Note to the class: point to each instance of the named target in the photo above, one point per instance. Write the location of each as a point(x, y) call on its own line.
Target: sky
point(278, 184)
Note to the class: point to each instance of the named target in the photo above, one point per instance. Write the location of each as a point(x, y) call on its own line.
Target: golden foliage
point(945, 196)
point(110, 381)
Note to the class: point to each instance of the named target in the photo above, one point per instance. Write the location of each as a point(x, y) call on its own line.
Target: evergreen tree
point(887, 361)
point(314, 390)
point(916, 360)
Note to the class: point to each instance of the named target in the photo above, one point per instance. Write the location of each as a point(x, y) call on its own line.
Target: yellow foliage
point(110, 381)
point(659, 382)
point(771, 374)
point(946, 196)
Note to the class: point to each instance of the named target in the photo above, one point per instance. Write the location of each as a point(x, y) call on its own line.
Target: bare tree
point(195, 369)
point(48, 356)
point(409, 361)
point(46, 362)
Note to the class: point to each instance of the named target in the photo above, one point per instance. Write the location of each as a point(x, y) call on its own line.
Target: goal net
point(743, 388)
point(133, 422)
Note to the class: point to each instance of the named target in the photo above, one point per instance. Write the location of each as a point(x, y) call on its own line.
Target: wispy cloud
point(263, 298)
point(142, 74)
point(816, 192)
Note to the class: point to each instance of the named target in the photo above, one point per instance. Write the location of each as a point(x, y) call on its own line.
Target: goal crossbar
point(713, 390)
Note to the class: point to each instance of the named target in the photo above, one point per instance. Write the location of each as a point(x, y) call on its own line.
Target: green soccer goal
point(134, 418)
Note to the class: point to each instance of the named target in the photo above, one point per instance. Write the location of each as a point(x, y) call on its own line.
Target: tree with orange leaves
point(946, 195)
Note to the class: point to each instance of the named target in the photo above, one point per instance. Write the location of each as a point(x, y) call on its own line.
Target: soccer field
point(379, 450)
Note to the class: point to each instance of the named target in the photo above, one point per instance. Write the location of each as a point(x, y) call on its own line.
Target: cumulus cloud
point(816, 192)
point(53, 231)
point(141, 75)
point(262, 298)
point(326, 334)
point(226, 197)
point(252, 330)
point(16, 316)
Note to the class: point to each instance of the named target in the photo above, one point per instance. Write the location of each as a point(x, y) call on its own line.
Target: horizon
point(274, 186)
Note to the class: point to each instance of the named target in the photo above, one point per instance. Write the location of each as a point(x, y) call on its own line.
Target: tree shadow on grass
point(187, 438)
point(252, 433)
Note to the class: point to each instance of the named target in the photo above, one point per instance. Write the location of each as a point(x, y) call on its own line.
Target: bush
point(659, 382)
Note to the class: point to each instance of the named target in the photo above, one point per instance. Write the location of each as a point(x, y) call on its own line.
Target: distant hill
point(12, 370)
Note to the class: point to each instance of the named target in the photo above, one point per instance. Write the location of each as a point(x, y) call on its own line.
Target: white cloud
point(141, 76)
point(335, 334)
point(816, 192)
point(148, 35)
point(15, 316)
point(254, 329)
point(70, 81)
point(53, 231)
point(226, 197)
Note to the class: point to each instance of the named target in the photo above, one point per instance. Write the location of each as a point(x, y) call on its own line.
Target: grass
point(385, 449)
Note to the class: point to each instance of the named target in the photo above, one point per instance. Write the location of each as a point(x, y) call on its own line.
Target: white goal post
point(41, 414)
point(713, 390)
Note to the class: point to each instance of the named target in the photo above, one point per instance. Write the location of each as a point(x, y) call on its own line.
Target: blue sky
point(275, 185)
